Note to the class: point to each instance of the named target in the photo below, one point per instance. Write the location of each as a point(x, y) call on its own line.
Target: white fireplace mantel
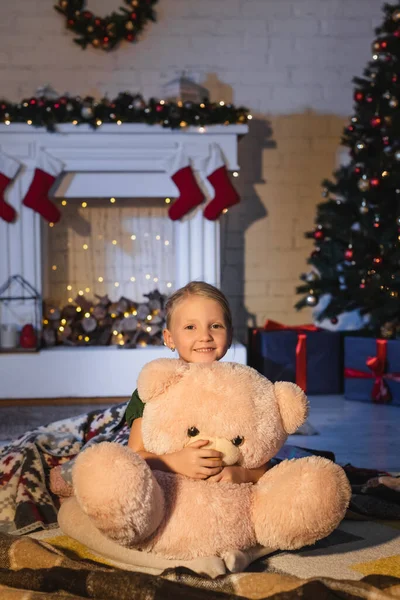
point(122, 161)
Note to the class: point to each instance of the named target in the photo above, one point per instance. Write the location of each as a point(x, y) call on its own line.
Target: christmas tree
point(356, 258)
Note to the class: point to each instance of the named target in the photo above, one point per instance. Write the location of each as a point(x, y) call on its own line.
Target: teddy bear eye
point(193, 431)
point(238, 440)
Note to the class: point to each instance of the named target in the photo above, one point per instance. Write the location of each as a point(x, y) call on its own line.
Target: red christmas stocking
point(190, 194)
point(8, 170)
point(46, 172)
point(225, 194)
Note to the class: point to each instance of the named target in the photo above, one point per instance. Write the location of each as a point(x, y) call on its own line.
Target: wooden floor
point(362, 434)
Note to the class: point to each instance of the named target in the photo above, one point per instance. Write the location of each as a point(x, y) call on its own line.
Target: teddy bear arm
point(118, 491)
point(299, 502)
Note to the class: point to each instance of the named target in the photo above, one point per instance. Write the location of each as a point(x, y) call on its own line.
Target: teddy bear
point(248, 419)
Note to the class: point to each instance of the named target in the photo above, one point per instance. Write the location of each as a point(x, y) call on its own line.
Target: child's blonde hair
point(199, 288)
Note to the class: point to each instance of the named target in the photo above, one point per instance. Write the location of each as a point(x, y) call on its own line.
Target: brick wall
point(290, 61)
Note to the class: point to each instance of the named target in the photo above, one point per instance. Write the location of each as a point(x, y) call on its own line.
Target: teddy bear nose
point(230, 453)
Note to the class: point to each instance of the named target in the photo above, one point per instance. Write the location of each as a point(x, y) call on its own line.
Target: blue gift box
point(357, 351)
point(273, 354)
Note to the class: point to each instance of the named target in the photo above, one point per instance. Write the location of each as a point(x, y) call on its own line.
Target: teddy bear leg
point(299, 502)
point(117, 490)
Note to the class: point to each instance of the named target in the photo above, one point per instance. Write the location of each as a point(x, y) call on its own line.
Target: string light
point(126, 314)
point(235, 174)
point(166, 242)
point(64, 203)
point(69, 287)
point(114, 242)
point(63, 321)
point(70, 300)
point(133, 237)
point(87, 315)
point(61, 328)
point(78, 309)
point(134, 312)
point(84, 204)
point(80, 293)
point(249, 117)
point(100, 279)
point(162, 102)
point(148, 276)
point(116, 284)
point(148, 329)
point(112, 200)
point(115, 332)
point(45, 322)
point(85, 246)
point(149, 317)
point(167, 200)
point(87, 289)
point(155, 279)
point(7, 122)
point(74, 122)
point(87, 338)
point(225, 211)
point(121, 343)
point(158, 237)
point(222, 103)
point(29, 122)
point(202, 129)
point(54, 267)
point(133, 279)
point(98, 122)
point(169, 284)
point(51, 224)
point(119, 122)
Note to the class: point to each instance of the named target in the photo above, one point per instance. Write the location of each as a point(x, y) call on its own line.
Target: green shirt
point(135, 409)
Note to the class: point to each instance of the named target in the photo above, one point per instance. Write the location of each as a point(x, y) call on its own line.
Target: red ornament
point(359, 96)
point(386, 140)
point(28, 337)
point(97, 22)
point(383, 44)
point(350, 128)
point(374, 182)
point(369, 99)
point(394, 78)
point(70, 22)
point(348, 254)
point(159, 108)
point(377, 260)
point(397, 33)
point(376, 121)
point(87, 14)
point(376, 224)
point(362, 285)
point(357, 170)
point(319, 234)
point(105, 40)
point(133, 16)
point(32, 101)
point(41, 103)
point(130, 37)
point(56, 105)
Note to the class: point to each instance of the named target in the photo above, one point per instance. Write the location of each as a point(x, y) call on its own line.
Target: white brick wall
point(290, 61)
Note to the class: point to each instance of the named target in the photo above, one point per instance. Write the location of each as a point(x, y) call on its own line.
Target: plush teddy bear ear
point(293, 405)
point(156, 377)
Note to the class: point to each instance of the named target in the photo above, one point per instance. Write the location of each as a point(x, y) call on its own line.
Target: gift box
point(372, 370)
point(306, 355)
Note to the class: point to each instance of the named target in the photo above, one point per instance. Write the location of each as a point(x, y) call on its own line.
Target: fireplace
point(120, 171)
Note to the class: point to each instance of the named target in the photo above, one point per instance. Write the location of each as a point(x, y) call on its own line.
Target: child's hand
point(233, 474)
point(195, 461)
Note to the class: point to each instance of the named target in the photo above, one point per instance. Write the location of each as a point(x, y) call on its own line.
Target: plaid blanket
point(34, 570)
point(26, 502)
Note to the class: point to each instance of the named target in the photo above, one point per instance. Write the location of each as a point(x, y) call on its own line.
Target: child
point(199, 328)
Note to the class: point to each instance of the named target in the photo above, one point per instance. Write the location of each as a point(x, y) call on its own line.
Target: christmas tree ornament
point(311, 300)
point(349, 253)
point(319, 233)
point(393, 103)
point(374, 182)
point(225, 195)
point(9, 168)
point(364, 208)
point(363, 185)
point(396, 15)
point(47, 170)
point(376, 121)
point(190, 194)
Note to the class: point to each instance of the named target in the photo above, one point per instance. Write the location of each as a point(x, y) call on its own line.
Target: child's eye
point(191, 327)
point(217, 325)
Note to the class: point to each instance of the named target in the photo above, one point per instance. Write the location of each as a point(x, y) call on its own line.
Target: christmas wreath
point(106, 32)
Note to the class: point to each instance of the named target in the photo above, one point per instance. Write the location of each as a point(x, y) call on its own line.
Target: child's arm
point(193, 461)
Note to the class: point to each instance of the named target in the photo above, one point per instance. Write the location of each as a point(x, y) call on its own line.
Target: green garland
point(125, 108)
point(106, 32)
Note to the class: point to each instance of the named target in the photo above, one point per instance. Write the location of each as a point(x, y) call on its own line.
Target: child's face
point(198, 330)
